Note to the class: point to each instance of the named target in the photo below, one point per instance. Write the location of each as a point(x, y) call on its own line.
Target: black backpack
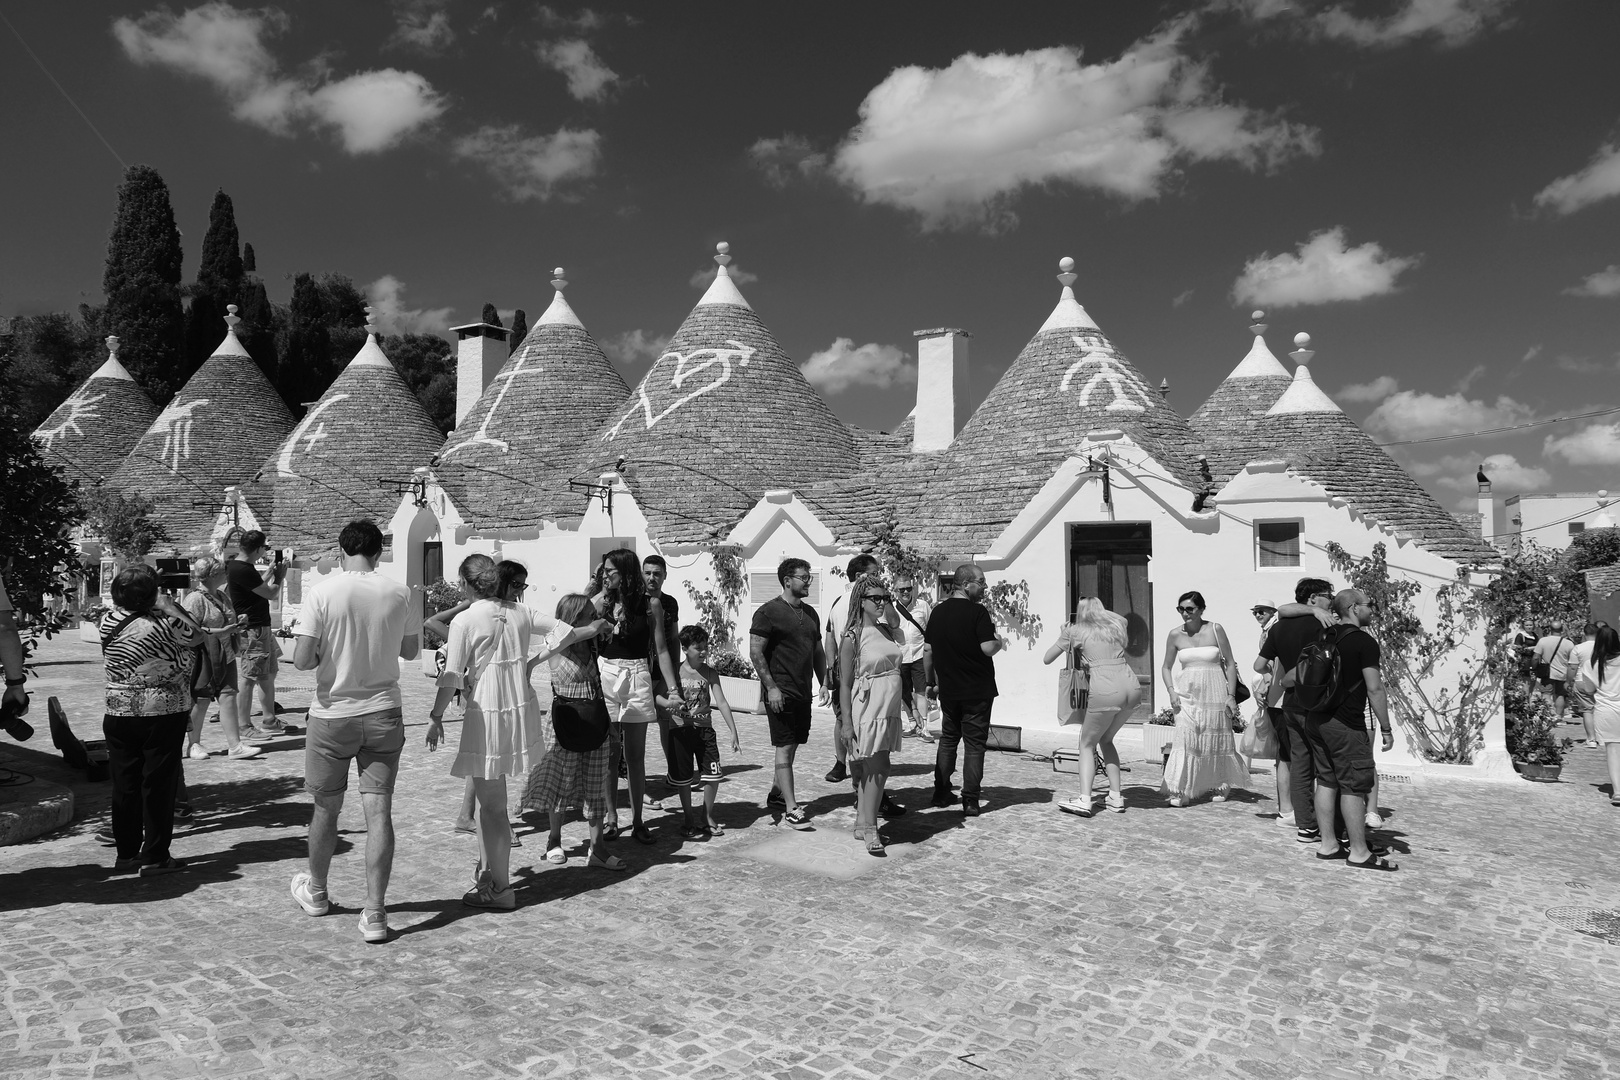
point(1318, 676)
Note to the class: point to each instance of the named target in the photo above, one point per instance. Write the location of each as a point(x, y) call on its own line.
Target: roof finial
point(558, 282)
point(1303, 352)
point(112, 346)
point(722, 253)
point(230, 317)
point(1164, 389)
point(1258, 326)
point(371, 321)
point(1067, 277)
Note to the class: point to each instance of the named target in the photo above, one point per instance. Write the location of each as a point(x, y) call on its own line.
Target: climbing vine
point(716, 609)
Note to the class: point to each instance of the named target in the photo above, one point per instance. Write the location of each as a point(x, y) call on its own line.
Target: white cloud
point(421, 25)
point(1506, 472)
point(789, 158)
point(374, 110)
point(587, 19)
point(225, 47)
point(387, 296)
point(702, 279)
point(1472, 377)
point(1595, 444)
point(1603, 284)
point(843, 365)
point(1181, 298)
point(1449, 22)
point(954, 144)
point(635, 346)
point(1377, 390)
point(532, 166)
point(1324, 271)
point(588, 78)
point(1531, 353)
point(1598, 181)
point(1408, 414)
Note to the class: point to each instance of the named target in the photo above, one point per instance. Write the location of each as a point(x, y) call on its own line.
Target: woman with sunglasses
point(1202, 676)
point(869, 653)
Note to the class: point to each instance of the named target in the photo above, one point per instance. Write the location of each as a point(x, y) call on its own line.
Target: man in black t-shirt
point(1296, 626)
point(654, 572)
point(257, 653)
point(1340, 749)
point(957, 646)
point(785, 645)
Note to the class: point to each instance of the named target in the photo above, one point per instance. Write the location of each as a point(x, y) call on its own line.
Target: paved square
point(1026, 943)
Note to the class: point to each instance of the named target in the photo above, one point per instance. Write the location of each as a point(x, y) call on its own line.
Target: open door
point(1110, 561)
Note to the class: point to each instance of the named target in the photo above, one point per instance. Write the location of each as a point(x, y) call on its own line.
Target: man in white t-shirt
point(1579, 699)
point(1553, 650)
point(355, 628)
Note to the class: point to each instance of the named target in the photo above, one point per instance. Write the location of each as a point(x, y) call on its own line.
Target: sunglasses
point(1186, 610)
point(880, 599)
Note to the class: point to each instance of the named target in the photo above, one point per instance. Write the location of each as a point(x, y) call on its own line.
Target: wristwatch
point(17, 681)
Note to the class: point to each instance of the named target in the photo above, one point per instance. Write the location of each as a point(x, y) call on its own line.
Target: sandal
point(642, 834)
point(610, 832)
point(556, 855)
point(607, 862)
point(1342, 853)
point(717, 829)
point(874, 843)
point(1374, 862)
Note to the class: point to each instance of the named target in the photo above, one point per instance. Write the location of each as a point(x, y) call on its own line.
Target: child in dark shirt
point(696, 758)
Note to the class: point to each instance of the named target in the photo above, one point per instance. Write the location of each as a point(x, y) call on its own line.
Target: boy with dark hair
point(697, 751)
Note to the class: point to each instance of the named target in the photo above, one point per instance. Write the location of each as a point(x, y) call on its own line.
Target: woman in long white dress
point(1202, 676)
point(487, 658)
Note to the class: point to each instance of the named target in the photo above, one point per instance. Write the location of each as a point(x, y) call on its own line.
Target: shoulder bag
point(1543, 668)
point(1240, 692)
point(1074, 689)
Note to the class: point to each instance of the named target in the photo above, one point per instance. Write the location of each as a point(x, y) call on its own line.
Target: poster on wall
point(108, 571)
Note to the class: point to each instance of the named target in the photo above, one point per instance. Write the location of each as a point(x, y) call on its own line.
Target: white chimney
point(942, 386)
point(1487, 506)
point(480, 352)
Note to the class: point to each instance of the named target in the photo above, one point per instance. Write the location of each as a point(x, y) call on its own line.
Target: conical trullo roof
point(506, 465)
point(1309, 431)
point(1228, 422)
point(92, 432)
point(723, 416)
point(367, 429)
point(213, 434)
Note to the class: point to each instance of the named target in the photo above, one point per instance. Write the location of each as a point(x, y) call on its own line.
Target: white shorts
point(627, 690)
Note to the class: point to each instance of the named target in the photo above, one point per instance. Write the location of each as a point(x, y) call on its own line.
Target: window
point(762, 586)
point(1277, 543)
point(1577, 527)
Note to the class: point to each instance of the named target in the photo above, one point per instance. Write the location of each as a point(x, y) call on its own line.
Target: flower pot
point(432, 661)
point(89, 632)
point(743, 695)
point(1545, 773)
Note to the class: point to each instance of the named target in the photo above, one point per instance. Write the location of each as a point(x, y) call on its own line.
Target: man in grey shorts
point(355, 628)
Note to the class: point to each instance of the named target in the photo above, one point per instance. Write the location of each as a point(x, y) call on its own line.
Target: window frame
point(1299, 544)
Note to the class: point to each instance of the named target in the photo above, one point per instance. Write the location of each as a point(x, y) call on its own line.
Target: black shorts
point(1341, 753)
point(791, 726)
point(693, 751)
point(913, 685)
point(1279, 724)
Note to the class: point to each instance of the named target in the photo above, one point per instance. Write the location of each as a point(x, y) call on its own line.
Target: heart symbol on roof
point(687, 365)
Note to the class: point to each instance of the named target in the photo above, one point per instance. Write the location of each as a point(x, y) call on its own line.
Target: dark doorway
point(1110, 562)
point(432, 571)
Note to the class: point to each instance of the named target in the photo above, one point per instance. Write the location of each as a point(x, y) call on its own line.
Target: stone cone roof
point(507, 465)
point(1306, 429)
point(92, 432)
point(723, 416)
point(211, 435)
point(1228, 422)
point(338, 464)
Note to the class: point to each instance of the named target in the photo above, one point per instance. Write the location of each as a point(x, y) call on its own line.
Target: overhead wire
point(1499, 430)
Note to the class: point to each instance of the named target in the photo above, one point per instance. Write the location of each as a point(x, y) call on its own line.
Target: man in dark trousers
point(258, 656)
point(1297, 625)
point(957, 647)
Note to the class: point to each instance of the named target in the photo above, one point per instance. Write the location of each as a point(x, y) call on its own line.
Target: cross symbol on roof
point(482, 435)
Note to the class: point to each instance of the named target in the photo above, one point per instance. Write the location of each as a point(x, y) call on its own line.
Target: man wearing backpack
point(1294, 628)
point(1340, 750)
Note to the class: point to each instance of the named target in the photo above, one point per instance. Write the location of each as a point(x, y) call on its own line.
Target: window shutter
point(1278, 543)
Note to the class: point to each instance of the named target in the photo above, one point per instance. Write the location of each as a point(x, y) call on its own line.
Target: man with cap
point(1267, 693)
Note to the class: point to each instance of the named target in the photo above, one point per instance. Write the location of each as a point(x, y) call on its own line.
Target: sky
point(1429, 188)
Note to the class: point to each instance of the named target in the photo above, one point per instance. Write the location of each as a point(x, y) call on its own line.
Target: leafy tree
point(260, 322)
point(38, 510)
point(142, 283)
point(428, 367)
point(305, 369)
point(123, 521)
point(520, 330)
point(250, 264)
point(491, 316)
point(1593, 548)
point(51, 355)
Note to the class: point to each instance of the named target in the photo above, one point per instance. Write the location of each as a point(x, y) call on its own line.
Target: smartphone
point(279, 557)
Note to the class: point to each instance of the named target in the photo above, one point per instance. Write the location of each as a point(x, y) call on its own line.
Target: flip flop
point(610, 832)
point(1374, 862)
point(556, 855)
point(609, 862)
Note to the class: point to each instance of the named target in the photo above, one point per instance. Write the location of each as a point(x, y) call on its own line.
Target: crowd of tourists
point(885, 659)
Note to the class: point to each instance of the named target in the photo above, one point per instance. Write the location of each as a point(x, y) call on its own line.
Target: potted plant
point(1157, 734)
point(1532, 739)
point(90, 623)
point(738, 680)
point(440, 596)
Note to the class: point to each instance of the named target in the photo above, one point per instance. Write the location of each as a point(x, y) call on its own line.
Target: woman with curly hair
point(625, 656)
point(1100, 637)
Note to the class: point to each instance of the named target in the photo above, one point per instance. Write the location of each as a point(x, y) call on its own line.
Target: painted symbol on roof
point(482, 437)
point(80, 407)
point(1121, 381)
point(311, 431)
point(687, 366)
point(175, 423)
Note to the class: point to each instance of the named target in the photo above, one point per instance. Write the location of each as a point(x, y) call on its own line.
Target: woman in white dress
point(869, 653)
point(1600, 677)
point(487, 659)
point(1202, 676)
point(1101, 637)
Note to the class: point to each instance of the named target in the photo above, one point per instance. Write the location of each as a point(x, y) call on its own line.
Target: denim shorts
point(372, 740)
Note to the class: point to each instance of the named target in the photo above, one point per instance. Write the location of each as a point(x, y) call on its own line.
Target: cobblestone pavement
point(1200, 942)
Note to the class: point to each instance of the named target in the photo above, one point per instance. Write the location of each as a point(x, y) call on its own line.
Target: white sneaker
point(1374, 820)
point(243, 750)
point(1286, 821)
point(303, 891)
point(197, 753)
point(374, 926)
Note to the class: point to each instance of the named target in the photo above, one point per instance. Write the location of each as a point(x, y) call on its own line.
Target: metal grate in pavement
point(1593, 922)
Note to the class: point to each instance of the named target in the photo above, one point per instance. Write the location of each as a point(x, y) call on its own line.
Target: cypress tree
point(303, 373)
point(491, 316)
point(520, 330)
point(258, 329)
point(249, 264)
point(220, 271)
point(142, 283)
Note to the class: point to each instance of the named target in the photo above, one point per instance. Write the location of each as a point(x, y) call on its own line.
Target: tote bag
point(1074, 690)
point(1258, 741)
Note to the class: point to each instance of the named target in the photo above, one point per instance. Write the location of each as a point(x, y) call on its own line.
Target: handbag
point(1543, 669)
point(202, 676)
point(580, 724)
point(1074, 690)
point(1259, 741)
point(1240, 692)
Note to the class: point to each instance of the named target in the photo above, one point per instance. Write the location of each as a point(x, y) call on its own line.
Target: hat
point(1258, 604)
